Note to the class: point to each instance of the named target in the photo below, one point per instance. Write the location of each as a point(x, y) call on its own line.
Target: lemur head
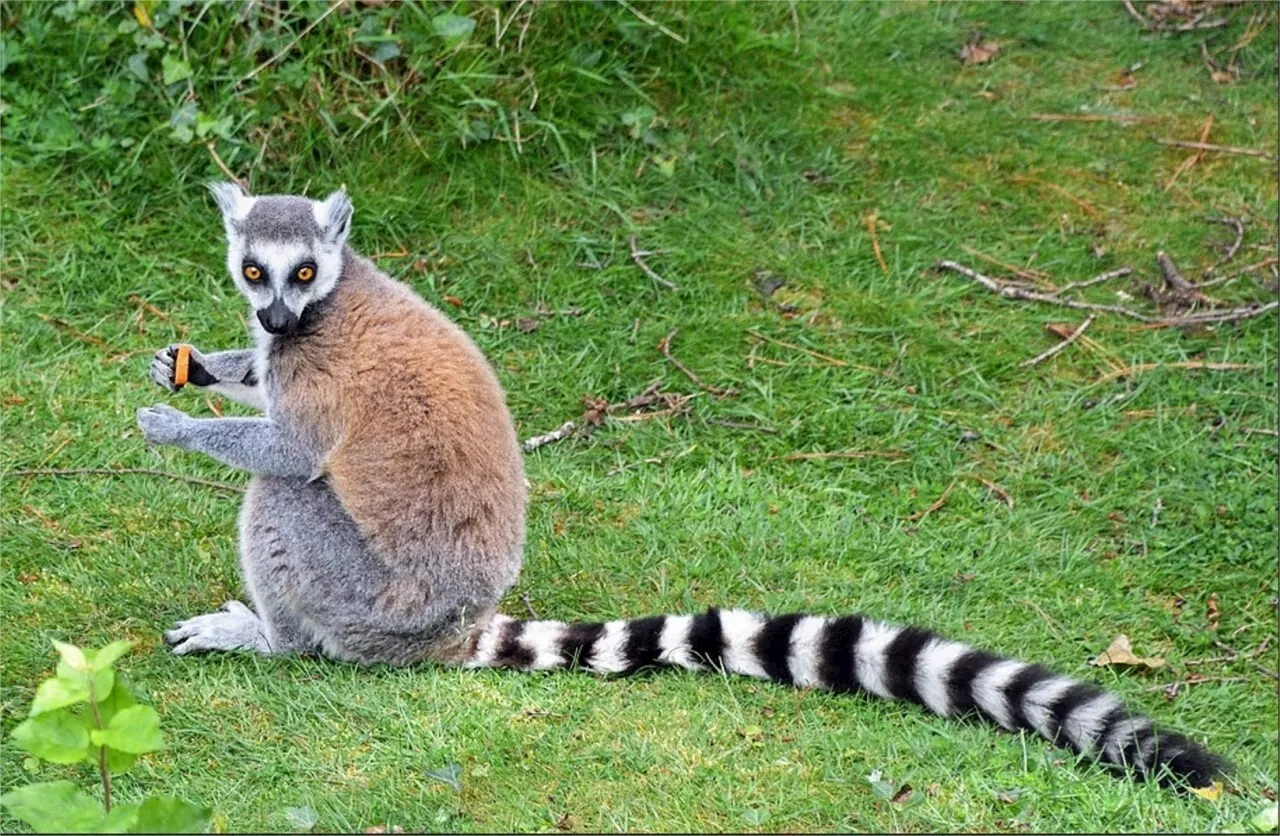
point(284, 252)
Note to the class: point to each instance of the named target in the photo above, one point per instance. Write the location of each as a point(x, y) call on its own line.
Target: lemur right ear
point(233, 202)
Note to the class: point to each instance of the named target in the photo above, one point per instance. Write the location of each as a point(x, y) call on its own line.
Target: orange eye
point(252, 273)
point(305, 273)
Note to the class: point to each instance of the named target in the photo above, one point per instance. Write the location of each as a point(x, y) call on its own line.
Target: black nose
point(277, 318)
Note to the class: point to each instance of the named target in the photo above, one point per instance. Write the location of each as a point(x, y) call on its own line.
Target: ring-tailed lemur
point(385, 517)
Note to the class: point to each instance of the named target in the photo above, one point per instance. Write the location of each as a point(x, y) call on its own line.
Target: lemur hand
point(162, 366)
point(162, 424)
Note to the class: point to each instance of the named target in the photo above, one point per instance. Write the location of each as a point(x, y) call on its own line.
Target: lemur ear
point(233, 202)
point(333, 215)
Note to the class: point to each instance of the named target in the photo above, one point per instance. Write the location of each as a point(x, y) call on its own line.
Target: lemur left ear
point(333, 215)
point(233, 202)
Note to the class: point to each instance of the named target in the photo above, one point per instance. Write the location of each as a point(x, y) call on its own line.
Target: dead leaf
point(1212, 792)
point(1212, 611)
point(526, 324)
point(1222, 76)
point(978, 51)
point(453, 300)
point(1121, 653)
point(902, 795)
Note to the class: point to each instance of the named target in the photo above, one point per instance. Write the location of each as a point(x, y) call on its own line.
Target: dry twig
point(1022, 273)
point(1221, 149)
point(1238, 225)
point(1108, 276)
point(274, 58)
point(938, 503)
point(1012, 292)
point(995, 489)
point(665, 347)
point(561, 432)
point(637, 255)
point(123, 471)
point(1089, 208)
point(1045, 355)
point(870, 221)
point(1192, 160)
point(1142, 368)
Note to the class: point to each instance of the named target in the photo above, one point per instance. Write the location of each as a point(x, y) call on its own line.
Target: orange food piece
point(181, 363)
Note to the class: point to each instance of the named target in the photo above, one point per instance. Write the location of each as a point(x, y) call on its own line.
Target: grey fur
point(315, 583)
point(280, 218)
point(258, 445)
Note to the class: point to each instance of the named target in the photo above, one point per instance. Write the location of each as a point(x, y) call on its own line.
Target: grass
point(760, 146)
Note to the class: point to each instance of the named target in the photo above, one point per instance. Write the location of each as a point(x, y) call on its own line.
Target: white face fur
point(283, 252)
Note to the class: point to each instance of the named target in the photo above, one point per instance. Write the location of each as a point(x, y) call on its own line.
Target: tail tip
point(1190, 764)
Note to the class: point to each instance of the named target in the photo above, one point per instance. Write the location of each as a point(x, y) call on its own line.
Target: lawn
point(502, 158)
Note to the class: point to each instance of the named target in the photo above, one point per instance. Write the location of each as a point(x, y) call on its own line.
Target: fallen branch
point(1045, 355)
point(1238, 225)
point(1221, 149)
point(1184, 291)
point(638, 257)
point(123, 471)
point(1261, 265)
point(938, 503)
point(1105, 277)
point(665, 346)
point(1142, 368)
point(1233, 315)
point(559, 433)
point(1011, 292)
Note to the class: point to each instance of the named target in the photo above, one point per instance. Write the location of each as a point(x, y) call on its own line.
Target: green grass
point(102, 203)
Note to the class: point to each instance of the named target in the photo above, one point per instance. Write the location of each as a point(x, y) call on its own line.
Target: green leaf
point(57, 692)
point(164, 814)
point(118, 700)
point(135, 729)
point(54, 807)
point(102, 659)
point(453, 27)
point(174, 69)
point(56, 736)
point(137, 65)
point(72, 655)
point(121, 819)
point(386, 51)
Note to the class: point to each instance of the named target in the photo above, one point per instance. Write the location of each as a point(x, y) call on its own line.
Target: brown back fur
point(419, 445)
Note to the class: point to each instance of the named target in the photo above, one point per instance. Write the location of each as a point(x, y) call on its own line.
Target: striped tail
point(853, 653)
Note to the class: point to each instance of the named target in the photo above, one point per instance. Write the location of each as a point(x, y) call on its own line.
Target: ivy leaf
point(135, 730)
point(55, 736)
point(453, 28)
point(137, 65)
point(301, 818)
point(57, 692)
point(386, 51)
point(450, 774)
point(54, 807)
point(174, 69)
point(106, 657)
point(164, 814)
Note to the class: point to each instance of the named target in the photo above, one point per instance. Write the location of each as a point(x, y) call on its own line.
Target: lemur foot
point(234, 627)
point(162, 365)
